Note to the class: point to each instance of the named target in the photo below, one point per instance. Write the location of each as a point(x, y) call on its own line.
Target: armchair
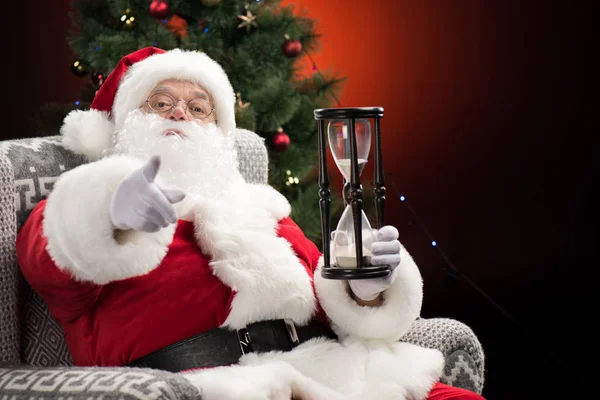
point(34, 359)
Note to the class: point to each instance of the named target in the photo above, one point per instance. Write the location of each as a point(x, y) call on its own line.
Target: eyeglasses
point(163, 102)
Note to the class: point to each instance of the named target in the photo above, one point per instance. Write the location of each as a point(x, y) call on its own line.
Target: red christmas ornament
point(178, 25)
point(98, 79)
point(280, 141)
point(291, 48)
point(159, 9)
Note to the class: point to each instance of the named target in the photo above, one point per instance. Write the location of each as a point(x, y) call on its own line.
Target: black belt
point(222, 346)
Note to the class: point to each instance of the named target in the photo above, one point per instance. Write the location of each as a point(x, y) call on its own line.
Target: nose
point(178, 113)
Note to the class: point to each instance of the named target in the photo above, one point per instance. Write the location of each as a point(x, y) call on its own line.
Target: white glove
point(385, 250)
point(141, 204)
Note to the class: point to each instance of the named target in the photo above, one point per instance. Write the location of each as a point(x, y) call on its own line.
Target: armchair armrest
point(9, 349)
point(91, 383)
point(462, 350)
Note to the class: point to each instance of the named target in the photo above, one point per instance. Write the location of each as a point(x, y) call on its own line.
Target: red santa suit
point(121, 298)
point(238, 261)
point(228, 262)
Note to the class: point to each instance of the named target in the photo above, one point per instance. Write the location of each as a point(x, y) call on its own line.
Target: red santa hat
point(127, 87)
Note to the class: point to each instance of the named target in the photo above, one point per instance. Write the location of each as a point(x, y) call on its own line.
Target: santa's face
point(178, 100)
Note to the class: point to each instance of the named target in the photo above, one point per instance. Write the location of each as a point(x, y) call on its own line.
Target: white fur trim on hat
point(87, 132)
point(191, 66)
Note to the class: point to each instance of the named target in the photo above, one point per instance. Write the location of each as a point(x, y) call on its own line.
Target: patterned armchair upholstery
point(34, 360)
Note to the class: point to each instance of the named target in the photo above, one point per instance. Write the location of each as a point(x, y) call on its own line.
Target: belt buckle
point(291, 330)
point(245, 341)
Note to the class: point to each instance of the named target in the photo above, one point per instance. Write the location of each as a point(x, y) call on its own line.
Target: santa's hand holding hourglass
point(385, 250)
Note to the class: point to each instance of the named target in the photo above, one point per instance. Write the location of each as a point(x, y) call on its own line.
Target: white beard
point(202, 163)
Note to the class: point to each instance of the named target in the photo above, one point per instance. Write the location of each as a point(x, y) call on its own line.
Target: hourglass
point(346, 253)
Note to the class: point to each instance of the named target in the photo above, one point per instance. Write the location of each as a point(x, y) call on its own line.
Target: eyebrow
point(161, 89)
point(201, 95)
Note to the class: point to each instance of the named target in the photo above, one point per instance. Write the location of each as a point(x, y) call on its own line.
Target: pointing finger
point(150, 169)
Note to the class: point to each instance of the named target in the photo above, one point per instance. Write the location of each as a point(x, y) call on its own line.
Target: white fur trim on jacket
point(324, 369)
point(194, 66)
point(80, 235)
point(87, 132)
point(273, 380)
point(239, 235)
point(401, 304)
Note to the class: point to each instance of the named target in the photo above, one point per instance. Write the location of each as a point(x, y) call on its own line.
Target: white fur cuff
point(80, 235)
point(401, 305)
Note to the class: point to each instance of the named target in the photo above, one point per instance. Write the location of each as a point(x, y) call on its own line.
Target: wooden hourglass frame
point(348, 258)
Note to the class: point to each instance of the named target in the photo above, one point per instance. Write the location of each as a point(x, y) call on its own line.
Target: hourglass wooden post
point(348, 132)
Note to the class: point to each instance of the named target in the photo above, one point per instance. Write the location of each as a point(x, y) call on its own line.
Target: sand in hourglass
point(345, 257)
point(346, 168)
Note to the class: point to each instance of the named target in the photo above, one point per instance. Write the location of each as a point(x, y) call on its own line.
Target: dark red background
point(482, 133)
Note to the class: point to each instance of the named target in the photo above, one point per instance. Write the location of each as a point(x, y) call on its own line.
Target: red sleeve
point(307, 252)
point(67, 298)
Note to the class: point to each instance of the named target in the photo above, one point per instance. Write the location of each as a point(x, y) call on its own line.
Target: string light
point(77, 103)
point(127, 19)
point(315, 68)
point(451, 269)
point(291, 180)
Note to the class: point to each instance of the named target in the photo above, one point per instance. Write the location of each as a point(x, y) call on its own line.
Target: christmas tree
point(259, 43)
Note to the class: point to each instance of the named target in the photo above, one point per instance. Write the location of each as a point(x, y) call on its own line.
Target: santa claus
point(157, 253)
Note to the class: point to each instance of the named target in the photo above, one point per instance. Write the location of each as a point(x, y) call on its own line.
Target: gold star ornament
point(248, 20)
point(240, 102)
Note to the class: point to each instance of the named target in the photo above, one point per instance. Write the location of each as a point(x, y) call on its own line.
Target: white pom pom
point(88, 133)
